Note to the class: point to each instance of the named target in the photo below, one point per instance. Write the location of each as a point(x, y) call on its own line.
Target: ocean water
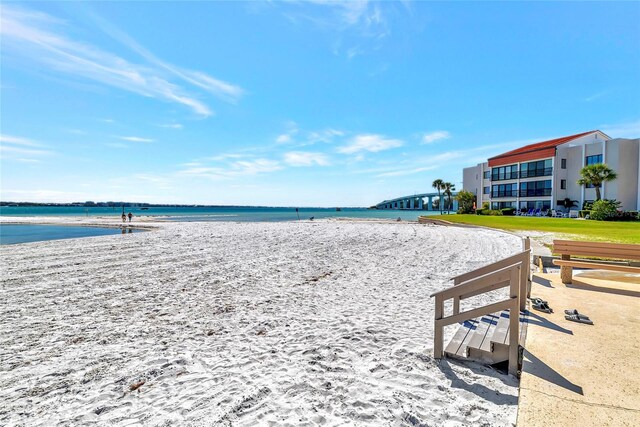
point(217, 213)
point(12, 234)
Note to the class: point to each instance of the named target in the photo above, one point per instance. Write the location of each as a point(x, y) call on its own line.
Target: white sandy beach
point(300, 323)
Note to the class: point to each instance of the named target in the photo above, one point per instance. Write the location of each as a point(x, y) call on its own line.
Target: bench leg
point(566, 271)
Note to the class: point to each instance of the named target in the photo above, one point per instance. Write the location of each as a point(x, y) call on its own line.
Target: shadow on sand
point(480, 390)
point(576, 284)
point(534, 366)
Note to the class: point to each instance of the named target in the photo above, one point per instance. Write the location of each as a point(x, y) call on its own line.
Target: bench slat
point(601, 244)
point(595, 265)
point(601, 253)
point(597, 249)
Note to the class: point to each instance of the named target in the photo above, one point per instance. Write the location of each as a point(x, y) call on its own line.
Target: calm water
point(217, 213)
point(12, 234)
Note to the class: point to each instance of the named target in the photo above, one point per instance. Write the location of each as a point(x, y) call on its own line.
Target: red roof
point(533, 151)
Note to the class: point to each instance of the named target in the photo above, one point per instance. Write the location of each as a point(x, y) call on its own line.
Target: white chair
point(573, 213)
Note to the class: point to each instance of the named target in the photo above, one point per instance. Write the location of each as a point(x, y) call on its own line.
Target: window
point(504, 190)
point(487, 174)
point(563, 184)
point(487, 190)
point(592, 160)
point(535, 188)
point(563, 163)
point(539, 168)
point(504, 172)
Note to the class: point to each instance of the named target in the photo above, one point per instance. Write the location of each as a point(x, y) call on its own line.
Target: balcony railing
point(537, 192)
point(508, 193)
point(536, 172)
point(505, 176)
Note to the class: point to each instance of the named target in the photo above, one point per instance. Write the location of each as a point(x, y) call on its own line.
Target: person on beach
point(124, 217)
point(130, 216)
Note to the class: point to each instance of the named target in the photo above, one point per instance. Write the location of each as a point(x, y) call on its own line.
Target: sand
point(301, 323)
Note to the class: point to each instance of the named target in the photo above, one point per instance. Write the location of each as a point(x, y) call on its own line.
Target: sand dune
point(305, 323)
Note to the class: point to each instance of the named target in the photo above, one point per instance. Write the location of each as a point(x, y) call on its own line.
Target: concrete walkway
point(575, 374)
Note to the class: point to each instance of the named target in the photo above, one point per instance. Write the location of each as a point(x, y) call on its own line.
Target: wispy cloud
point(302, 158)
point(369, 142)
point(171, 126)
point(22, 149)
point(38, 37)
point(116, 145)
point(431, 137)
point(358, 26)
point(233, 169)
point(622, 130)
point(402, 172)
point(136, 139)
point(596, 96)
point(16, 140)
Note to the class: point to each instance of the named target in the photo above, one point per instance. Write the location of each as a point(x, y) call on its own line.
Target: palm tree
point(595, 175)
point(448, 188)
point(438, 184)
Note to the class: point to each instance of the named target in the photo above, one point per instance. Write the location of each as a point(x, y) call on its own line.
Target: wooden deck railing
point(512, 272)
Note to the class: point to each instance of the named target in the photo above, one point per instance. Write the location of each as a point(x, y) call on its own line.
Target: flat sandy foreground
point(299, 323)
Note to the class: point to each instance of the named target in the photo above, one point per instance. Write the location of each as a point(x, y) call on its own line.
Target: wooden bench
point(567, 248)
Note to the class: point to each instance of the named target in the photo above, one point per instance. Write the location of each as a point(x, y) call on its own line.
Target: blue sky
point(297, 103)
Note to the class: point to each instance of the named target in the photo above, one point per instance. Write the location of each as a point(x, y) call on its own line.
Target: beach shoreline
point(292, 323)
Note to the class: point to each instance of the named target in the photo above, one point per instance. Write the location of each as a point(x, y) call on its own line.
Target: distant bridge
point(420, 202)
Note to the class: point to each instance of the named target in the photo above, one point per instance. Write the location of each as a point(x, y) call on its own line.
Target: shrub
point(587, 206)
point(508, 211)
point(479, 211)
point(604, 210)
point(485, 206)
point(583, 213)
point(494, 212)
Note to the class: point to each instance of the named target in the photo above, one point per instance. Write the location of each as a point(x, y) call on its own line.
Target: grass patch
point(602, 231)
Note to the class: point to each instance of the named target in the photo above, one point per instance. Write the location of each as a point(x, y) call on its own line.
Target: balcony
point(536, 172)
point(508, 193)
point(505, 176)
point(535, 192)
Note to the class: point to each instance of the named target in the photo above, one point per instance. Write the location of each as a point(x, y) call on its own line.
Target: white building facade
point(543, 175)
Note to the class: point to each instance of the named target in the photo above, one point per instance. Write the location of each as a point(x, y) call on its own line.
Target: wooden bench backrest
point(597, 249)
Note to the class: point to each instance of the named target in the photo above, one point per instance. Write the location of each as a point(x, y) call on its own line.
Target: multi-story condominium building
point(542, 175)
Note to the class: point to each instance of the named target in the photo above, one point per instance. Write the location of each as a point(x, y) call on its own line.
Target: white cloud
point(369, 142)
point(432, 137)
point(136, 139)
point(30, 34)
point(301, 158)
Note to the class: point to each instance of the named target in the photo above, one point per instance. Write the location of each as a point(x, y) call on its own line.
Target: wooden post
point(566, 271)
point(514, 323)
point(456, 304)
point(527, 268)
point(438, 350)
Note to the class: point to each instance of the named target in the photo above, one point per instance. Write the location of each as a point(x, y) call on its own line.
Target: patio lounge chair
point(573, 213)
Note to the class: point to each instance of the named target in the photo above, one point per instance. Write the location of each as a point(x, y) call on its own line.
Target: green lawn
point(604, 231)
